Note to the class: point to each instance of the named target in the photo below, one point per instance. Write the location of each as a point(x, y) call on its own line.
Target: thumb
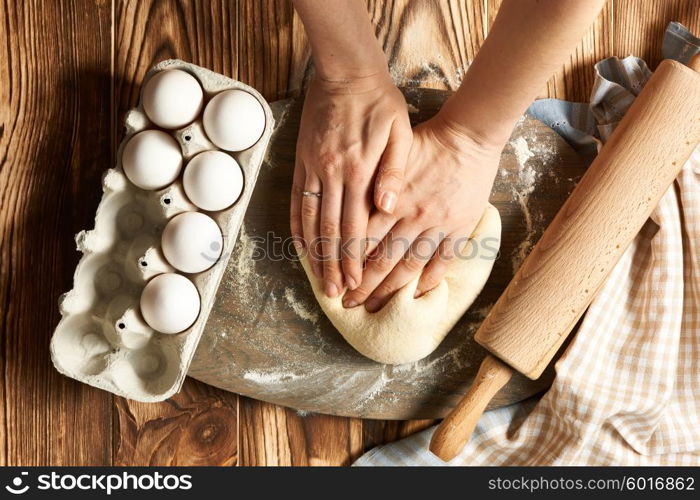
point(389, 181)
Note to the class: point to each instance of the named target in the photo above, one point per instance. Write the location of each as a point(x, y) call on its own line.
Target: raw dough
point(407, 329)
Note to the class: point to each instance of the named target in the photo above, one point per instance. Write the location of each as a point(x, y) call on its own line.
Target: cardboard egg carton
point(102, 339)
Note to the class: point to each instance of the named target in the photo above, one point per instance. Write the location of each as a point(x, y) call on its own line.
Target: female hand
point(448, 180)
point(350, 130)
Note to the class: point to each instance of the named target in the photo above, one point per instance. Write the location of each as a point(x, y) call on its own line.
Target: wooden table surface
point(69, 69)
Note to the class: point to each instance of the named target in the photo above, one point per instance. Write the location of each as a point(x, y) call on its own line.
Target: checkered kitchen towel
point(627, 390)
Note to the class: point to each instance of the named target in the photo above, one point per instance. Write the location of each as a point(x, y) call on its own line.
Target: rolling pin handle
point(457, 427)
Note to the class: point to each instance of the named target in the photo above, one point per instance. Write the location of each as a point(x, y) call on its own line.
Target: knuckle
point(350, 227)
point(360, 293)
point(328, 170)
point(355, 170)
point(329, 227)
point(413, 265)
point(384, 289)
point(331, 268)
point(423, 249)
point(390, 174)
point(329, 163)
point(383, 264)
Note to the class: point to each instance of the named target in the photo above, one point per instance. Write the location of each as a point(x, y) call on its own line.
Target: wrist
point(360, 82)
point(462, 140)
point(486, 133)
point(356, 64)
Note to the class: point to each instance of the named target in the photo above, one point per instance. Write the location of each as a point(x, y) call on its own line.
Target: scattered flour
point(525, 186)
point(244, 260)
point(435, 365)
point(523, 250)
point(522, 151)
point(299, 307)
point(377, 387)
point(265, 378)
point(413, 72)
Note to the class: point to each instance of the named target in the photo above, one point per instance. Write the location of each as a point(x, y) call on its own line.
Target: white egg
point(192, 242)
point(213, 180)
point(152, 159)
point(172, 98)
point(170, 303)
point(234, 120)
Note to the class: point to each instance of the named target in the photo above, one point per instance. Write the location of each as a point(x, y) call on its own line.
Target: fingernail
point(417, 294)
point(388, 201)
point(298, 245)
point(331, 290)
point(350, 281)
point(349, 303)
point(372, 305)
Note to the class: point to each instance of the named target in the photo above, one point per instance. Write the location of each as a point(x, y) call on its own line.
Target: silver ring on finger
point(311, 193)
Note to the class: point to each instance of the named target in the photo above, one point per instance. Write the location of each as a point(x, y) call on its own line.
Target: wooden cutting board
point(267, 338)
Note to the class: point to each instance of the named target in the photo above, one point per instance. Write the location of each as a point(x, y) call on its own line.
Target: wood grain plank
point(274, 54)
point(199, 425)
point(429, 43)
point(639, 26)
point(378, 432)
point(203, 33)
point(54, 146)
point(274, 435)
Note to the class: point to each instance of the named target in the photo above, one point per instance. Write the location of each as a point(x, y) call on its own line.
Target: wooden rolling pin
point(562, 274)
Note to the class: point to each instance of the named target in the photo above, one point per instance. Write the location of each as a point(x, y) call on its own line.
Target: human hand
point(447, 185)
point(350, 130)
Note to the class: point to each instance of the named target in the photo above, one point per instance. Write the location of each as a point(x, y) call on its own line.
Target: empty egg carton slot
point(170, 212)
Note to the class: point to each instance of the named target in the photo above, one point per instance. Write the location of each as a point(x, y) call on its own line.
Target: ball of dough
point(407, 329)
point(234, 120)
point(172, 98)
point(170, 303)
point(213, 180)
point(152, 159)
point(192, 242)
